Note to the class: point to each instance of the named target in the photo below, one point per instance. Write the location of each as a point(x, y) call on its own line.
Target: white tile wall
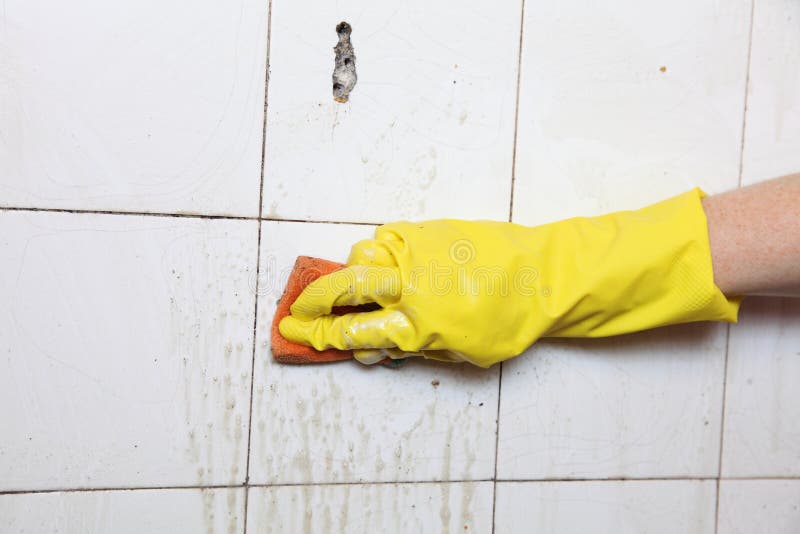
point(762, 408)
point(126, 340)
point(644, 405)
point(124, 512)
point(773, 102)
point(602, 127)
point(418, 508)
point(764, 506)
point(629, 507)
point(126, 349)
point(345, 422)
point(431, 118)
point(142, 106)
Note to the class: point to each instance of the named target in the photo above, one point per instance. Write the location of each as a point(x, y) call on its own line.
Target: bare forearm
point(755, 238)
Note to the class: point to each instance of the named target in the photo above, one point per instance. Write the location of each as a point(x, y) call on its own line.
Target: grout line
point(378, 483)
point(134, 213)
point(275, 219)
point(111, 488)
point(398, 482)
point(496, 443)
point(722, 426)
point(510, 217)
point(728, 332)
point(746, 89)
point(266, 107)
point(76, 211)
point(766, 477)
point(516, 120)
point(252, 378)
point(654, 479)
point(258, 269)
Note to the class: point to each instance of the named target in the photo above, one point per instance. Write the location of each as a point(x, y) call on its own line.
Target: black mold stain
point(344, 71)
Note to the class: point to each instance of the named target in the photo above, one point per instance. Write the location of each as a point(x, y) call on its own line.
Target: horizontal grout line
point(136, 488)
point(134, 213)
point(378, 483)
point(275, 219)
point(396, 483)
point(178, 215)
point(616, 479)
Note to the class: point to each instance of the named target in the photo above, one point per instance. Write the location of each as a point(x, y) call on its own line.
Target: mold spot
point(344, 70)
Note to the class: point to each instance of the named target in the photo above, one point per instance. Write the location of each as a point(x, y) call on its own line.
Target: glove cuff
point(646, 268)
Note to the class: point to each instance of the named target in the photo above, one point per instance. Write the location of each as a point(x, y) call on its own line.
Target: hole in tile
point(344, 70)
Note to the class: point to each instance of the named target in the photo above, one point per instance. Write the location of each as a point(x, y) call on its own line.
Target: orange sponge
point(306, 270)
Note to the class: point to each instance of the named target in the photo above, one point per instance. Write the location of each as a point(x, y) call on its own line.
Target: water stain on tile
point(209, 495)
point(467, 496)
point(344, 71)
point(308, 512)
point(232, 511)
point(343, 513)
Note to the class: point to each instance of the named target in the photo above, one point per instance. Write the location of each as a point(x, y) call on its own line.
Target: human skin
point(754, 234)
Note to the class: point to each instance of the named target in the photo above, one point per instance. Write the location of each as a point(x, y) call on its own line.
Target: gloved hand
point(485, 291)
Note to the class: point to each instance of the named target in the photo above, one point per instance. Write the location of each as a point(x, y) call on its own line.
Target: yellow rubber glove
point(483, 291)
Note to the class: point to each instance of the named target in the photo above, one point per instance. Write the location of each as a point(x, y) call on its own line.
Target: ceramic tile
point(419, 508)
point(126, 350)
point(764, 506)
point(346, 422)
point(155, 107)
point(625, 105)
point(655, 507)
point(762, 406)
point(125, 512)
point(635, 406)
point(773, 101)
point(430, 120)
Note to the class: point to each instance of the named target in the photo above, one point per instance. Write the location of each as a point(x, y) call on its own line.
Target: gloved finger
point(444, 356)
point(373, 356)
point(351, 286)
point(371, 252)
point(366, 330)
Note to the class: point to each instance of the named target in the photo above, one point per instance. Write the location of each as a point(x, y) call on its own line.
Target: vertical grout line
point(728, 332)
point(510, 216)
point(722, 426)
point(258, 269)
point(266, 105)
point(746, 89)
point(516, 114)
point(496, 444)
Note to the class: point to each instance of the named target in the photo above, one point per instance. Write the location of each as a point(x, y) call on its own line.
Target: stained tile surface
point(623, 105)
point(153, 107)
point(125, 512)
point(762, 408)
point(418, 508)
point(431, 118)
point(346, 422)
point(643, 405)
point(631, 507)
point(773, 101)
point(126, 350)
point(126, 340)
point(764, 506)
